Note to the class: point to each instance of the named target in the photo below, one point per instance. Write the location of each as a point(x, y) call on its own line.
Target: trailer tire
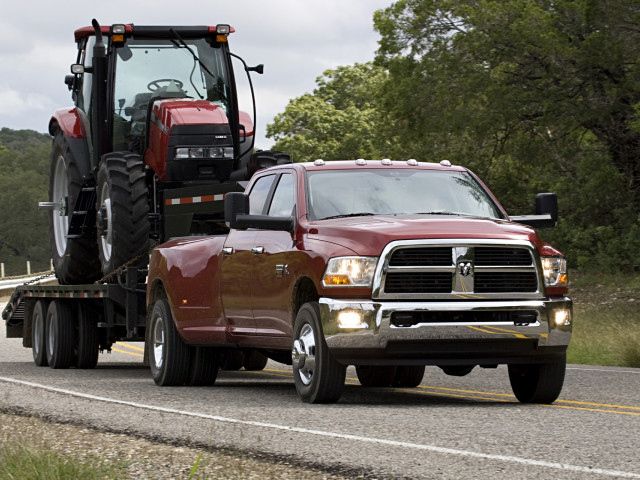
point(205, 363)
point(75, 260)
point(60, 335)
point(88, 342)
point(122, 211)
point(538, 383)
point(408, 376)
point(318, 377)
point(376, 375)
point(38, 333)
point(169, 356)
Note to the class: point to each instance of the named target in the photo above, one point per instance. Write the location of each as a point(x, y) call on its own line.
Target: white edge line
point(607, 370)
point(343, 436)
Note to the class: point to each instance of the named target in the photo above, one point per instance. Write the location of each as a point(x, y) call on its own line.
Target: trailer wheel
point(169, 357)
point(408, 376)
point(60, 333)
point(88, 343)
point(538, 383)
point(205, 363)
point(254, 360)
point(376, 375)
point(75, 260)
point(122, 217)
point(38, 329)
point(318, 377)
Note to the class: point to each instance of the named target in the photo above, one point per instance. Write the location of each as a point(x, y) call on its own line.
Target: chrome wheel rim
point(158, 343)
point(37, 333)
point(59, 194)
point(106, 235)
point(304, 354)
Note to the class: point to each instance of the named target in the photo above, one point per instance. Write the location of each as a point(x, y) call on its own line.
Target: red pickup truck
point(385, 265)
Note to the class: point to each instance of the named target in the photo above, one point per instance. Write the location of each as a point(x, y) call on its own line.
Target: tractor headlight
point(350, 272)
point(224, 153)
point(555, 271)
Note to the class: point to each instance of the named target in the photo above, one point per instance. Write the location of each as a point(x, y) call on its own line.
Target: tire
point(233, 360)
point(376, 375)
point(169, 357)
point(205, 363)
point(408, 376)
point(254, 360)
point(38, 330)
point(122, 211)
point(318, 377)
point(60, 335)
point(75, 260)
point(538, 383)
point(457, 370)
point(88, 343)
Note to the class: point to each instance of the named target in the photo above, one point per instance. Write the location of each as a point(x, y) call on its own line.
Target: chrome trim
point(463, 287)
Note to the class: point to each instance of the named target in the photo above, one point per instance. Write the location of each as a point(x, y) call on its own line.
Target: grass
point(606, 320)
point(23, 462)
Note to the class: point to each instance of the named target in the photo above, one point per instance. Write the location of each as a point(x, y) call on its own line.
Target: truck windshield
point(161, 68)
point(342, 193)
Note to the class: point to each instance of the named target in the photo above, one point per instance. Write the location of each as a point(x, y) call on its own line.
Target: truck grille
point(486, 269)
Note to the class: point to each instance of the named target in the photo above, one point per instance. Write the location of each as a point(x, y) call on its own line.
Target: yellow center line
point(126, 353)
point(455, 392)
point(132, 347)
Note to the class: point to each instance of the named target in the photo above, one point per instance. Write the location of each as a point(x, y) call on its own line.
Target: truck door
point(274, 267)
point(237, 266)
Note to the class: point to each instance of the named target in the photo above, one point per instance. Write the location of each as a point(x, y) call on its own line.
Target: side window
point(259, 193)
point(283, 198)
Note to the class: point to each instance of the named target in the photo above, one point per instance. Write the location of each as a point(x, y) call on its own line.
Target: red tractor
point(154, 142)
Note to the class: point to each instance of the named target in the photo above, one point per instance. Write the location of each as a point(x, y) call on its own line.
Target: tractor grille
point(421, 270)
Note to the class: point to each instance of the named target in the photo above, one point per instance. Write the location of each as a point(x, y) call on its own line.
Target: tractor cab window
point(163, 68)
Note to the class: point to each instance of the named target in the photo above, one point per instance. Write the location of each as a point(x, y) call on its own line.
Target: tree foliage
point(337, 121)
point(24, 179)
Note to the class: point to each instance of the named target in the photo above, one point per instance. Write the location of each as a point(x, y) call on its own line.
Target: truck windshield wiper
point(441, 212)
point(345, 215)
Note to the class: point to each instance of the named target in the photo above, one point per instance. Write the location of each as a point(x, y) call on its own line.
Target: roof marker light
point(319, 162)
point(386, 161)
point(361, 161)
point(445, 163)
point(413, 162)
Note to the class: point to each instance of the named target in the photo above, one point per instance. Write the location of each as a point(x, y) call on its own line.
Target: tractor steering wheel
point(155, 84)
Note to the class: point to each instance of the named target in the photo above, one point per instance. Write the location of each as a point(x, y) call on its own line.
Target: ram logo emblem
point(465, 268)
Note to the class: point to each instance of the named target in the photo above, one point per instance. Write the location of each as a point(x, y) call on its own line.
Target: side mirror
point(546, 212)
point(235, 203)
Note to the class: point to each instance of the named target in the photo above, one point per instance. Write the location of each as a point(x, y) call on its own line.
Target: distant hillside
point(20, 140)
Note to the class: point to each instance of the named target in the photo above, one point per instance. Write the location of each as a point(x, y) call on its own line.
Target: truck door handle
point(257, 250)
point(227, 250)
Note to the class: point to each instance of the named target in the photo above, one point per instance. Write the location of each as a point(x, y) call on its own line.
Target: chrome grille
point(439, 269)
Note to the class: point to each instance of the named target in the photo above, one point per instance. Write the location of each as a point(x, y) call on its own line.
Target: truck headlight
point(555, 271)
point(204, 152)
point(350, 272)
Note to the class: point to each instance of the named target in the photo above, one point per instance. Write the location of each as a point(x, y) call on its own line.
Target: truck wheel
point(88, 343)
point(375, 375)
point(75, 260)
point(408, 376)
point(233, 360)
point(60, 333)
point(169, 357)
point(538, 383)
point(457, 370)
point(122, 217)
point(205, 363)
point(318, 377)
point(254, 360)
point(38, 323)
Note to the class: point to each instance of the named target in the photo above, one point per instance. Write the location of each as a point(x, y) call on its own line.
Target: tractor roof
point(160, 31)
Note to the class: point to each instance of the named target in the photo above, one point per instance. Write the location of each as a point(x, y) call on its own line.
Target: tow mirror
point(235, 203)
point(546, 212)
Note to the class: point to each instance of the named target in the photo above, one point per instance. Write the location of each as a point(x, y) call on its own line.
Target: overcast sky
point(296, 40)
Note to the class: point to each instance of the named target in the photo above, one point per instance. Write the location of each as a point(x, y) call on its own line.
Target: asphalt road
point(449, 427)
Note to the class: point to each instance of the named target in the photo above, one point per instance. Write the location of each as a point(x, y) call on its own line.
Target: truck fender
point(71, 123)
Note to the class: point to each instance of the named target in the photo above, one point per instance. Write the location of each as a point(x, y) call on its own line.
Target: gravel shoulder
point(142, 458)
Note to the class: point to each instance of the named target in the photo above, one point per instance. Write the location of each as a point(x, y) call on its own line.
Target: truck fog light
point(351, 319)
point(563, 318)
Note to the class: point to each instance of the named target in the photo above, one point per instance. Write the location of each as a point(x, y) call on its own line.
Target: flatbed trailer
point(82, 320)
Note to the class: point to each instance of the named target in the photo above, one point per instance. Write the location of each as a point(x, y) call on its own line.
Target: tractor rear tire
point(75, 260)
point(122, 211)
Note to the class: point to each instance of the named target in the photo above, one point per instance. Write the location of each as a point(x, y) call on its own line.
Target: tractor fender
point(68, 124)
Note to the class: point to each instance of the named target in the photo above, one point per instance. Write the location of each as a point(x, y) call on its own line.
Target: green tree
point(338, 121)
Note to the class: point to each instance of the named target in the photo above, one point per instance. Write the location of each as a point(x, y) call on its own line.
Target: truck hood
point(369, 235)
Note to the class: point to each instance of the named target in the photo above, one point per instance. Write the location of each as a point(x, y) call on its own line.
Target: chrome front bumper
point(376, 338)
